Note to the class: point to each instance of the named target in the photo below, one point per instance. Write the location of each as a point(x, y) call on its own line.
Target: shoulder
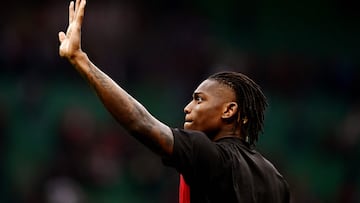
point(191, 141)
point(188, 134)
point(236, 146)
point(192, 148)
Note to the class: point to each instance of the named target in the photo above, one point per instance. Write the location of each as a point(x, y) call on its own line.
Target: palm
point(70, 42)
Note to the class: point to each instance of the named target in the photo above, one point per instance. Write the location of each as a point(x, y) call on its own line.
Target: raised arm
point(125, 109)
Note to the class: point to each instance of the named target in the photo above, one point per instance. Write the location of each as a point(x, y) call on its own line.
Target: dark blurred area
point(59, 145)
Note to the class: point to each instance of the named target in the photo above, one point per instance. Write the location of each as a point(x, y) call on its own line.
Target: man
point(214, 152)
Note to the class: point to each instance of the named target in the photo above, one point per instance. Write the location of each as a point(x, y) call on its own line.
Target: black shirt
point(225, 171)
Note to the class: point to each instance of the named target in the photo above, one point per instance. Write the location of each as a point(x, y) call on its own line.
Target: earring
point(245, 120)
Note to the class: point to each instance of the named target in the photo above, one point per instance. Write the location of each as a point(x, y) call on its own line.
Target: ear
point(230, 110)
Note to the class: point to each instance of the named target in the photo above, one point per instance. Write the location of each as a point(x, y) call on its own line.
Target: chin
point(188, 126)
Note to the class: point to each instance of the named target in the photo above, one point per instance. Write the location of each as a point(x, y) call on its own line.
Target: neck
point(228, 131)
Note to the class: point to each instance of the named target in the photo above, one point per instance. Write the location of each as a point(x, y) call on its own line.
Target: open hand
point(70, 43)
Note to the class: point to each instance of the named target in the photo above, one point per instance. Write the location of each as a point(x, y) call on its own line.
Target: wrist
point(77, 57)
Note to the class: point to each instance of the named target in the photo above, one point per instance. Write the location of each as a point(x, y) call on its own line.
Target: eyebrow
point(195, 94)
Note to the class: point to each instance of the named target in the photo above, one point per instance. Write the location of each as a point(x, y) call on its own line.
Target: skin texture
point(125, 109)
point(211, 109)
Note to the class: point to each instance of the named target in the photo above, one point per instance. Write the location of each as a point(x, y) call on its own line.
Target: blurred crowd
point(59, 145)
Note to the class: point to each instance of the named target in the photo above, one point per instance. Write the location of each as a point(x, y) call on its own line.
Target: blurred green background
point(59, 145)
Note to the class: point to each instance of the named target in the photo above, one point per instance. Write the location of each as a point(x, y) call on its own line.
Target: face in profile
point(205, 110)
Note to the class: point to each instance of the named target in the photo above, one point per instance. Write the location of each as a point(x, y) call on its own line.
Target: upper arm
point(154, 134)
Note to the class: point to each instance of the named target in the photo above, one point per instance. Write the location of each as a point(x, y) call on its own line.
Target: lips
point(187, 124)
point(187, 120)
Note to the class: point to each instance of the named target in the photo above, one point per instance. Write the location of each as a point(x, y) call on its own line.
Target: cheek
point(198, 116)
point(200, 112)
point(206, 116)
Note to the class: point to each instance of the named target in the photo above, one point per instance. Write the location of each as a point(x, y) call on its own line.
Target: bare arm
point(125, 109)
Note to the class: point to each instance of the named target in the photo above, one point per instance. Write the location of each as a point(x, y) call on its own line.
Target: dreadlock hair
point(250, 99)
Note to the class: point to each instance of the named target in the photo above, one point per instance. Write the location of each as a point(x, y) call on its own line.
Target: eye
point(198, 98)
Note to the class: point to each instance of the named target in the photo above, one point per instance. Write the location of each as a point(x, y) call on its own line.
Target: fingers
point(71, 12)
point(77, 6)
point(80, 10)
point(76, 11)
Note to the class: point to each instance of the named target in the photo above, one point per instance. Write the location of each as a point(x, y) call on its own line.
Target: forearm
point(125, 109)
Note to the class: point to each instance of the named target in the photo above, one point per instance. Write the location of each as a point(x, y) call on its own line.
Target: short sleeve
point(194, 154)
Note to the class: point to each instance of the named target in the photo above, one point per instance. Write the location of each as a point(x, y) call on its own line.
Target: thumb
point(62, 36)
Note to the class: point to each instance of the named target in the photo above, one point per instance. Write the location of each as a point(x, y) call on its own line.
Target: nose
point(187, 109)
